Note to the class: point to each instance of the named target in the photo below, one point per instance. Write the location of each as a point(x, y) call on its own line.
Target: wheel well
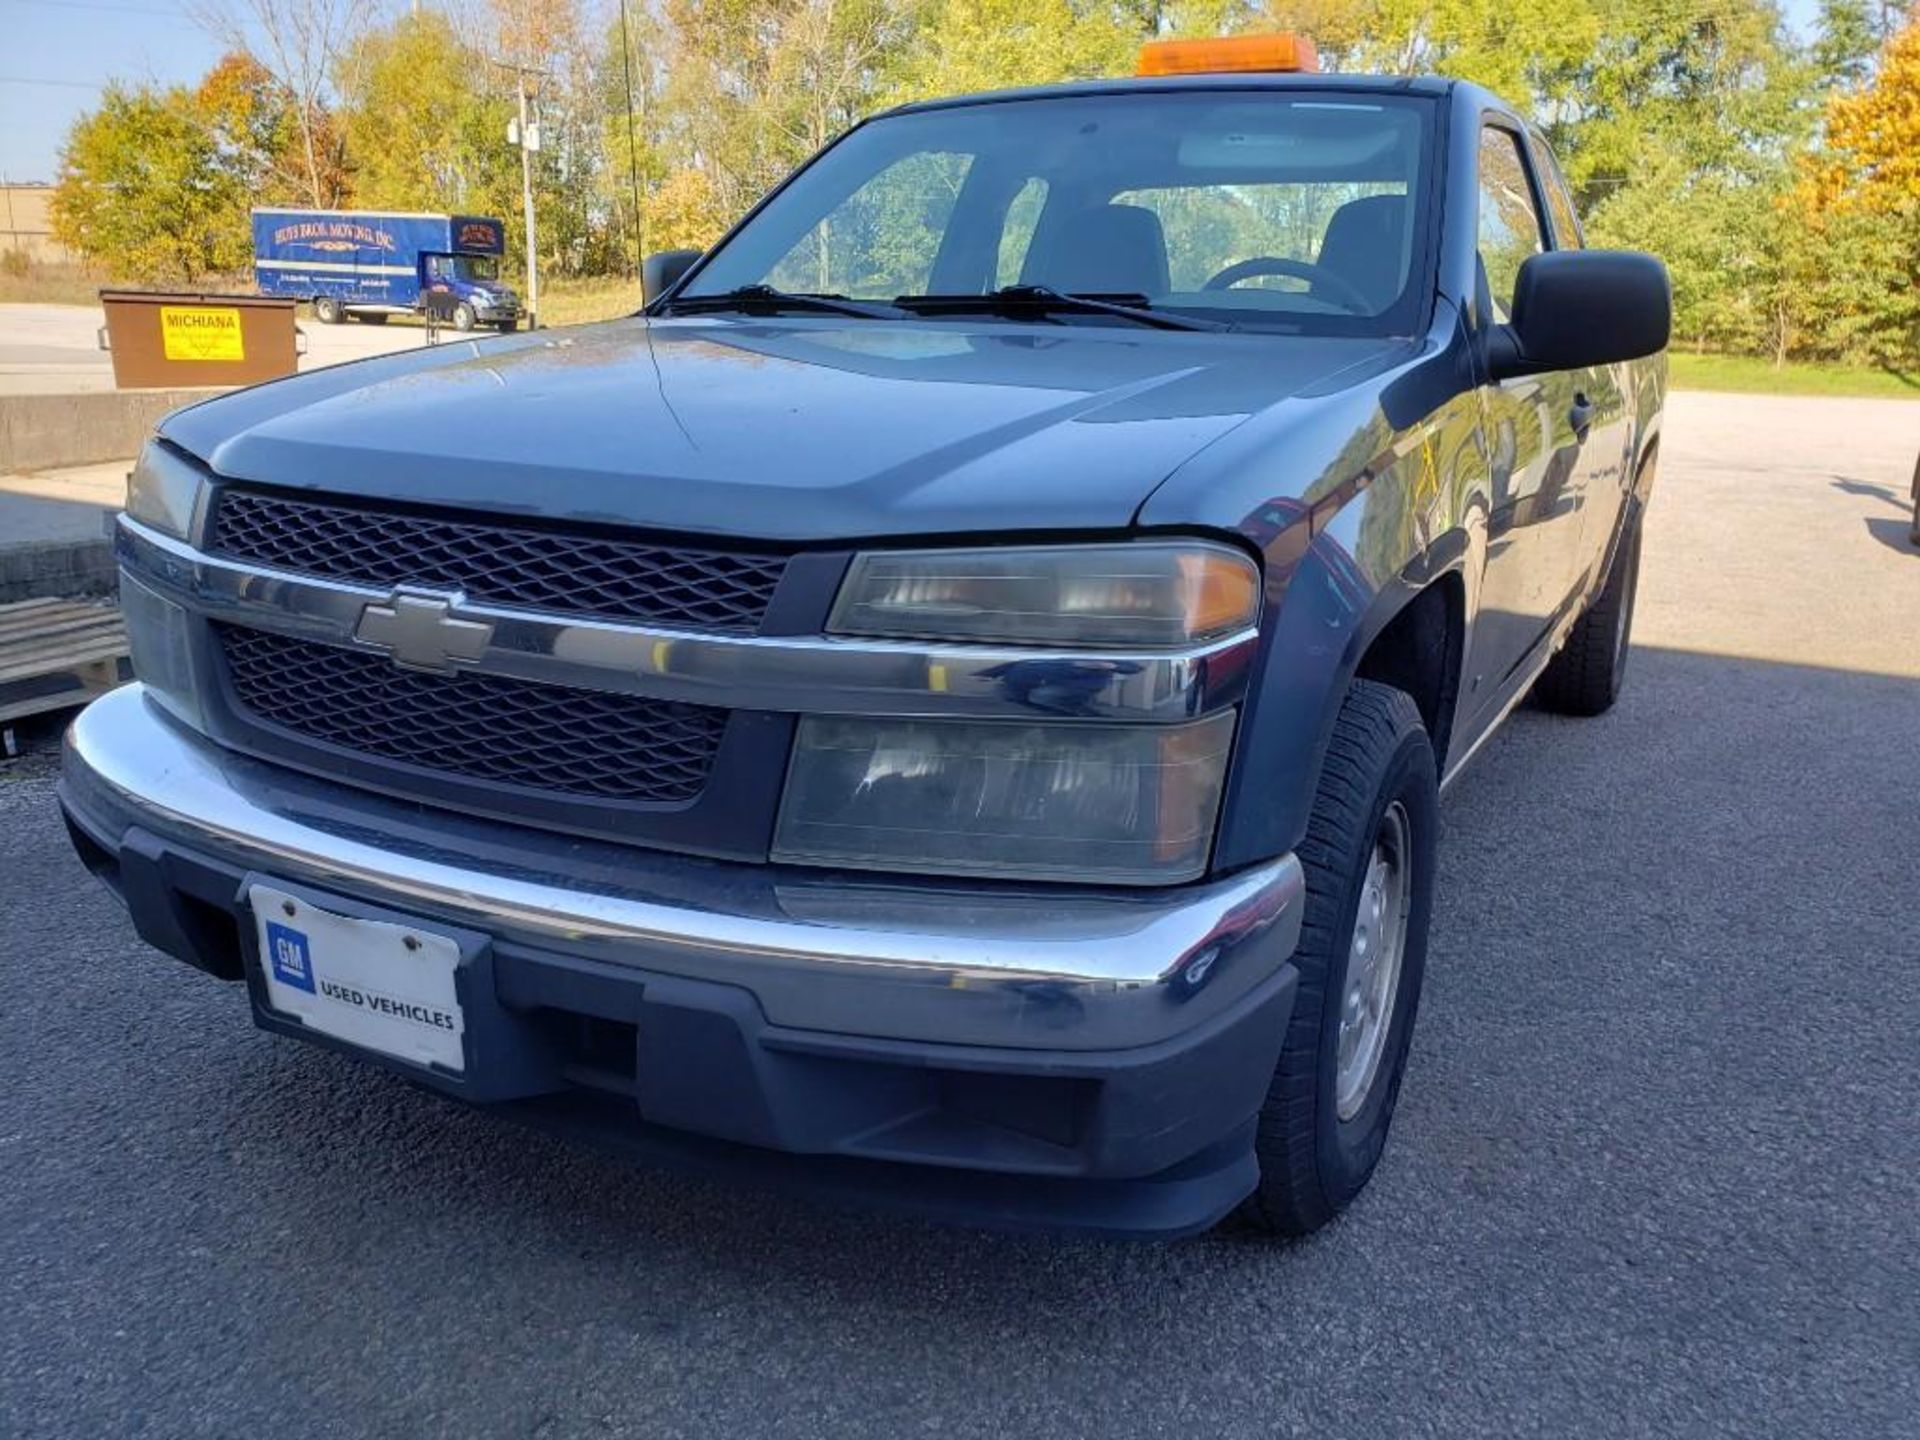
point(1419, 652)
point(1642, 470)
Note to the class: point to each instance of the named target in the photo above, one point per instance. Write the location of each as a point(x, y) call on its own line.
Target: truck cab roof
point(1284, 81)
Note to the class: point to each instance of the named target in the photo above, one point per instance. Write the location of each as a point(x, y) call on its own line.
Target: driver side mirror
point(660, 271)
point(1574, 308)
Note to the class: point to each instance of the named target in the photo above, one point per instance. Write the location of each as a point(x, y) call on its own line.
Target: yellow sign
point(201, 332)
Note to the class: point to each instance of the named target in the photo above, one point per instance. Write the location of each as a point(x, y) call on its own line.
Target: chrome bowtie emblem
point(420, 632)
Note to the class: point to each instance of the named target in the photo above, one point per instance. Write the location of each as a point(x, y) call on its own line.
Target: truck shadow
point(1894, 534)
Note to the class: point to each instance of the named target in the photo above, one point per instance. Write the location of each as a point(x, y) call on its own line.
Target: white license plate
point(380, 986)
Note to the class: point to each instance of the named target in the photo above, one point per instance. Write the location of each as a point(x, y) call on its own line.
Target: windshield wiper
point(766, 298)
point(1043, 298)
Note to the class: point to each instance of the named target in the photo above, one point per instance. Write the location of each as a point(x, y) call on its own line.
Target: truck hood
point(803, 430)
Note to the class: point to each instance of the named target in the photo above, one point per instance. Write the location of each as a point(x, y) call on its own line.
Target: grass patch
point(578, 302)
point(52, 285)
point(1750, 375)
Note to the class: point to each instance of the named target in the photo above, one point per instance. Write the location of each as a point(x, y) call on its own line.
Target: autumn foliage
point(1779, 176)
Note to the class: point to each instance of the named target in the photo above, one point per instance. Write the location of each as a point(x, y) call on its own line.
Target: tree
point(298, 42)
point(966, 45)
point(422, 130)
point(1847, 34)
point(256, 126)
point(1858, 200)
point(144, 187)
point(755, 86)
point(683, 213)
point(1873, 136)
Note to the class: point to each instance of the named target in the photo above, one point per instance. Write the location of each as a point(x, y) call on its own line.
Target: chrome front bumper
point(961, 964)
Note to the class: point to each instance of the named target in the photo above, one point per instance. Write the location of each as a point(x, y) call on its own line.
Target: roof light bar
point(1280, 52)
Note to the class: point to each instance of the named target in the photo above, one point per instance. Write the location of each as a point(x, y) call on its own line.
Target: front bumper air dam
point(1030, 1058)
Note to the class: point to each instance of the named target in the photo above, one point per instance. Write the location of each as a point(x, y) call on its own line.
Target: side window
point(1510, 228)
point(1566, 228)
point(1016, 232)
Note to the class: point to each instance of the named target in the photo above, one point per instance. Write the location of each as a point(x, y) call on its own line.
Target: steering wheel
point(1340, 290)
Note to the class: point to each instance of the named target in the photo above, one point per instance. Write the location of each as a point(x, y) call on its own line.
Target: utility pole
point(525, 132)
point(633, 149)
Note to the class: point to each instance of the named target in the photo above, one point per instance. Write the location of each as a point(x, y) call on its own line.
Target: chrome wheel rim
point(1372, 979)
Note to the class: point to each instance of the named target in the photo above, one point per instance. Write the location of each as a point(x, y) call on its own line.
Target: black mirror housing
point(1574, 308)
point(659, 271)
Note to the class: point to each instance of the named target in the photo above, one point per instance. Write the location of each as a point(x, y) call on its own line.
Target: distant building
point(24, 225)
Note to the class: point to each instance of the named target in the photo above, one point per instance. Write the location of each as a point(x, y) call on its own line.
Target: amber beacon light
point(1284, 52)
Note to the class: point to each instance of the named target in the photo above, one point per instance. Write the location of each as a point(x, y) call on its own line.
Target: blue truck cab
point(369, 265)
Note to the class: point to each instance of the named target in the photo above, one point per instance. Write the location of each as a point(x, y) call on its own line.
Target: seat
point(1366, 245)
point(1103, 250)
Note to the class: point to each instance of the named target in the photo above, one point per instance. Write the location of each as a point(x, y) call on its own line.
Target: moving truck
point(370, 265)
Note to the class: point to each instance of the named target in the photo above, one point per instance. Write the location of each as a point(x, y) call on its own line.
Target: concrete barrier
point(68, 568)
point(47, 432)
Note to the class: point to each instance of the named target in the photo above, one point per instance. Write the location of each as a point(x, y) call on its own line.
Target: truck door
point(1601, 395)
point(1533, 430)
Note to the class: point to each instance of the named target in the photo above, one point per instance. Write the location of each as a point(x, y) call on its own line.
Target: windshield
point(476, 267)
point(1278, 211)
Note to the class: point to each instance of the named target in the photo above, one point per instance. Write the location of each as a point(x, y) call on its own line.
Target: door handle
point(1580, 417)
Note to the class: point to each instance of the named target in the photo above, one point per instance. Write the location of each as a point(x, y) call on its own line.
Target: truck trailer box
point(369, 265)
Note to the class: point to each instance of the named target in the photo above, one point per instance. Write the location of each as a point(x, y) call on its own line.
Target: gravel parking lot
point(1656, 1170)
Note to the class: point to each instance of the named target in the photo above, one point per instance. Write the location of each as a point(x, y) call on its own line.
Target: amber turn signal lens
point(1283, 52)
point(1222, 592)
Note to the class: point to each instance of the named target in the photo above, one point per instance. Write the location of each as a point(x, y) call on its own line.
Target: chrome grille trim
point(820, 675)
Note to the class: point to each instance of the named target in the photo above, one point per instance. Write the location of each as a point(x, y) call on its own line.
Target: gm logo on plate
point(291, 963)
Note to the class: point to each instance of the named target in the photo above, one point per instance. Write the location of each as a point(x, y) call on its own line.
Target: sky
point(56, 55)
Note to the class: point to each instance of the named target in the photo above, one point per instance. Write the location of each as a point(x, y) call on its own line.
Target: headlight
point(1128, 804)
point(164, 491)
point(1152, 593)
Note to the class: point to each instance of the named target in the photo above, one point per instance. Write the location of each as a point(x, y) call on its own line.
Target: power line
point(106, 5)
point(35, 80)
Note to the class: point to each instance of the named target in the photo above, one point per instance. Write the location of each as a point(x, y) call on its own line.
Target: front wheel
point(1369, 857)
point(329, 311)
point(464, 317)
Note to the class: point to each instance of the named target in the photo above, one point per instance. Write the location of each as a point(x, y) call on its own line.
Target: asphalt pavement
point(1656, 1169)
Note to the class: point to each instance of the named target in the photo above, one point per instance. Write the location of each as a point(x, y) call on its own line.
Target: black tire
point(1312, 1161)
point(372, 317)
point(1586, 676)
point(464, 317)
point(329, 311)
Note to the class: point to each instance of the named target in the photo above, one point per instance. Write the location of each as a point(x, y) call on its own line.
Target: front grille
point(484, 727)
point(557, 570)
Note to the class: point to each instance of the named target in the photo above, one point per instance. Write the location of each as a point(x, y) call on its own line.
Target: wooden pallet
point(56, 654)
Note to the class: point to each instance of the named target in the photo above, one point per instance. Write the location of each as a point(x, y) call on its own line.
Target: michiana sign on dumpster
point(201, 332)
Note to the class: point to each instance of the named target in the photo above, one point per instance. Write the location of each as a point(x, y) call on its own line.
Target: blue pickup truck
point(366, 266)
point(949, 705)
